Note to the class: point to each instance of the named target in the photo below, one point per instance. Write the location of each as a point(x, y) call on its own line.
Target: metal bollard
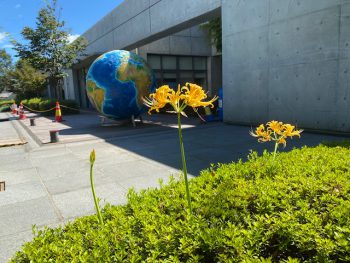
point(2, 186)
point(32, 122)
point(54, 136)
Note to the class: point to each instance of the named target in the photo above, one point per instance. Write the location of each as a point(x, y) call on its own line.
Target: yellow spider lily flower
point(275, 126)
point(288, 131)
point(265, 135)
point(276, 131)
point(194, 96)
point(158, 99)
point(282, 140)
point(175, 97)
point(260, 131)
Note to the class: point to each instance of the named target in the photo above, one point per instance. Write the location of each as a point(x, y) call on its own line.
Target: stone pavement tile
point(49, 171)
point(49, 150)
point(54, 160)
point(116, 172)
point(11, 151)
point(110, 157)
point(18, 177)
point(21, 216)
point(81, 202)
point(7, 130)
point(6, 164)
point(12, 243)
point(11, 158)
point(22, 192)
point(72, 182)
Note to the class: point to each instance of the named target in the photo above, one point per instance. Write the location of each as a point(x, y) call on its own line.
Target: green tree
point(5, 67)
point(26, 81)
point(47, 47)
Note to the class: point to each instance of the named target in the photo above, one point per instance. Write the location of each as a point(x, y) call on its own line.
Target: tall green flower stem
point(92, 161)
point(184, 167)
point(275, 151)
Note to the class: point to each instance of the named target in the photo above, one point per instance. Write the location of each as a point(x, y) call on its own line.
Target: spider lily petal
point(194, 96)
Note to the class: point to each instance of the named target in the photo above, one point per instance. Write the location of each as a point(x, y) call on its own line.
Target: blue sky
point(79, 15)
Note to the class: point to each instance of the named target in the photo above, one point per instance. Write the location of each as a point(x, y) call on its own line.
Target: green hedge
point(6, 102)
point(42, 104)
point(296, 211)
point(5, 108)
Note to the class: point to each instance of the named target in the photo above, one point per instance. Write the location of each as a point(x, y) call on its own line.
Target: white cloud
point(3, 36)
point(18, 6)
point(71, 38)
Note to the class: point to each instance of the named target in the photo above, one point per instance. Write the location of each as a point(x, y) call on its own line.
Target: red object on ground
point(22, 116)
point(58, 114)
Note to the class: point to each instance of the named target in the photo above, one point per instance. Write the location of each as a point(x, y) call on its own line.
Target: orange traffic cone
point(22, 116)
point(58, 114)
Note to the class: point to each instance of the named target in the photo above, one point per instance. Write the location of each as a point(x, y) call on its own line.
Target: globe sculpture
point(116, 83)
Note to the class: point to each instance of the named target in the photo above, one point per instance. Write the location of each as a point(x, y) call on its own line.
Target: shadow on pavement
point(157, 139)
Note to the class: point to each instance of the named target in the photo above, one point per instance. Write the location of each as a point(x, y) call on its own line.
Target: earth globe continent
point(116, 83)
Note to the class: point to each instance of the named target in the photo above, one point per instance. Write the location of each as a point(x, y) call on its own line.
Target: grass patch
point(296, 211)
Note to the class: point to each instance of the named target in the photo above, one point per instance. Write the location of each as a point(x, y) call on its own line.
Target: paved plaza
point(48, 184)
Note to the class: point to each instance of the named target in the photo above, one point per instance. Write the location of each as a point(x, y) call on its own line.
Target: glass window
point(185, 63)
point(157, 74)
point(154, 62)
point(169, 62)
point(169, 75)
point(186, 74)
point(170, 79)
point(200, 63)
point(199, 75)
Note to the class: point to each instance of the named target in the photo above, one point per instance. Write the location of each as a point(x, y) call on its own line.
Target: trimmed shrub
point(43, 104)
point(6, 102)
point(5, 108)
point(295, 211)
point(343, 143)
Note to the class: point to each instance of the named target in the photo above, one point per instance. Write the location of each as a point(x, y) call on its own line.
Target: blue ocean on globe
point(116, 83)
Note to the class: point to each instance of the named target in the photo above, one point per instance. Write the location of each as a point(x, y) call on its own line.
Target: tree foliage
point(26, 81)
point(5, 67)
point(47, 47)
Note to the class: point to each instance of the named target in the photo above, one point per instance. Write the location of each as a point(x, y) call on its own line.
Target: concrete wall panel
point(127, 10)
point(198, 31)
point(161, 46)
point(138, 27)
point(298, 93)
point(185, 33)
point(303, 77)
point(248, 48)
point(343, 96)
point(246, 86)
point(200, 46)
point(236, 21)
point(305, 39)
point(179, 12)
point(180, 45)
point(286, 9)
point(344, 45)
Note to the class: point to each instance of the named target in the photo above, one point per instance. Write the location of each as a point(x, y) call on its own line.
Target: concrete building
point(282, 59)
